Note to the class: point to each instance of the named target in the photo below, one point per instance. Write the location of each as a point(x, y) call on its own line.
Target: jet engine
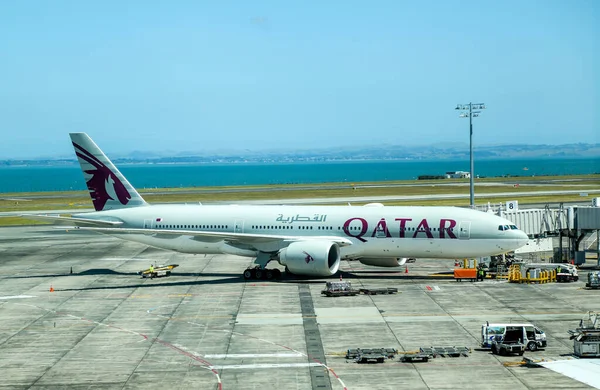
point(386, 261)
point(311, 258)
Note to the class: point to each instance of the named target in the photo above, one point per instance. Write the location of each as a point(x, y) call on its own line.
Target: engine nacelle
point(385, 261)
point(311, 258)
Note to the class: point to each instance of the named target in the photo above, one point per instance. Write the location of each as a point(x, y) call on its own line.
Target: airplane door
point(238, 226)
point(464, 230)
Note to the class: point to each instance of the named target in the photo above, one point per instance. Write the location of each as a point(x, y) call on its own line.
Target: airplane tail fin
point(108, 187)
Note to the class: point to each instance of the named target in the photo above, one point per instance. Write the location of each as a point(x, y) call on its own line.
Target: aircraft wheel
point(258, 274)
point(269, 274)
point(248, 274)
point(276, 273)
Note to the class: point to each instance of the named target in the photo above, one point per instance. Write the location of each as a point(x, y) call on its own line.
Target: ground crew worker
point(558, 269)
point(480, 274)
point(151, 271)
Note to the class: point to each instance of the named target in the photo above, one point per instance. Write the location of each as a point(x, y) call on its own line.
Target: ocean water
point(64, 178)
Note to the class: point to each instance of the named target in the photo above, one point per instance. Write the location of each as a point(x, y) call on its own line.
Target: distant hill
point(452, 151)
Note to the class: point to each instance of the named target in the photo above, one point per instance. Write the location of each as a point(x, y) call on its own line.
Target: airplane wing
point(585, 371)
point(57, 219)
point(245, 238)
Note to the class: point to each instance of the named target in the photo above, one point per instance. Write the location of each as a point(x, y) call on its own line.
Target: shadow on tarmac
point(224, 278)
point(106, 271)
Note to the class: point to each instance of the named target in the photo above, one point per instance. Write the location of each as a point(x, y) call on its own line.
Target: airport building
point(458, 175)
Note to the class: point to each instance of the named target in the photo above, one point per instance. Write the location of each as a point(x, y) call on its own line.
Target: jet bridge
point(577, 223)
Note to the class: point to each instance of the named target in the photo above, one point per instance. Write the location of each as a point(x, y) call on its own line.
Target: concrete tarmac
point(205, 327)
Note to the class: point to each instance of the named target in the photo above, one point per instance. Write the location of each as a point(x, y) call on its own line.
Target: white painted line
point(265, 366)
point(436, 288)
point(18, 297)
point(253, 355)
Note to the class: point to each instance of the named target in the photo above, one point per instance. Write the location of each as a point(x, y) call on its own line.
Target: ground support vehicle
point(445, 351)
point(586, 338)
point(339, 289)
point(375, 291)
point(533, 337)
point(565, 277)
point(388, 353)
point(465, 273)
point(370, 358)
point(158, 271)
point(593, 280)
point(511, 343)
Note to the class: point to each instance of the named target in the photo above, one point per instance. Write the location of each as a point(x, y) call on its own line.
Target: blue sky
point(196, 75)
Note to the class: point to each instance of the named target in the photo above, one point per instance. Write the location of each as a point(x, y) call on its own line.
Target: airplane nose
point(522, 238)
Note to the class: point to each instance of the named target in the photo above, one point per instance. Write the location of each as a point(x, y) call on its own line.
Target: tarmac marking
point(253, 355)
point(386, 315)
point(206, 364)
point(328, 368)
point(265, 365)
point(18, 297)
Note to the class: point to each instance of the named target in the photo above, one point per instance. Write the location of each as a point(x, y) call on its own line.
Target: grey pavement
point(206, 327)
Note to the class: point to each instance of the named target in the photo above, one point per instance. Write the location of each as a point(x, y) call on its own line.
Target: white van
point(533, 337)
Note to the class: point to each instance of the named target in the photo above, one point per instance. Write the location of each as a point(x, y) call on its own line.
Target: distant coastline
point(234, 161)
point(142, 175)
point(388, 153)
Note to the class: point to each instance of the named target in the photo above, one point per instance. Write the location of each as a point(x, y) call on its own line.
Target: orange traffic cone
point(51, 288)
point(406, 270)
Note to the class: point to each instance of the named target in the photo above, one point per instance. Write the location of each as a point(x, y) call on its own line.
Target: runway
point(206, 327)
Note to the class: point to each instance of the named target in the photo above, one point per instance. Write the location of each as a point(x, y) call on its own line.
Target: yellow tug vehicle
point(158, 271)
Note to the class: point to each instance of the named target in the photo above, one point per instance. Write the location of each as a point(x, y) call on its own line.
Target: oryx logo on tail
point(104, 185)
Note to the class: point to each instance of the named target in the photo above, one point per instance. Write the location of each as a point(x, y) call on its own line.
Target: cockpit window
point(506, 227)
point(514, 227)
point(500, 227)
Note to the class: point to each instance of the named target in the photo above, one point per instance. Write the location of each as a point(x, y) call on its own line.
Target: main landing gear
point(259, 270)
point(258, 273)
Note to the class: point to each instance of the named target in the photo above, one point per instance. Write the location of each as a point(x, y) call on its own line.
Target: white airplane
point(307, 240)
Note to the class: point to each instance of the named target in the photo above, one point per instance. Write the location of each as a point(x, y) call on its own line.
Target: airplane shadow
point(391, 275)
point(94, 271)
point(222, 278)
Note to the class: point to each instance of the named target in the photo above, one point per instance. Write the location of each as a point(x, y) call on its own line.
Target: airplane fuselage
point(393, 231)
